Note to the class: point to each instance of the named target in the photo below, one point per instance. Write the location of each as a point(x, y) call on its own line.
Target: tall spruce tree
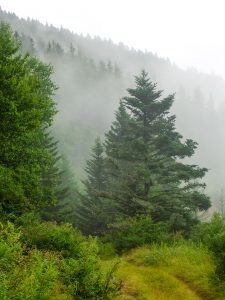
point(64, 210)
point(155, 180)
point(26, 110)
point(94, 211)
point(119, 163)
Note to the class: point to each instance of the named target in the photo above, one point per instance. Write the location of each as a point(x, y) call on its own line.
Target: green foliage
point(135, 232)
point(10, 246)
point(27, 110)
point(42, 260)
point(163, 254)
point(212, 234)
point(35, 278)
point(107, 250)
point(119, 167)
point(141, 171)
point(64, 210)
point(30, 276)
point(166, 186)
point(95, 210)
point(48, 235)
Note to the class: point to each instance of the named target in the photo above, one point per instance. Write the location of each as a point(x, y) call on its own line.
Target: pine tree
point(93, 213)
point(117, 71)
point(109, 67)
point(119, 164)
point(54, 48)
point(154, 180)
point(102, 68)
point(64, 210)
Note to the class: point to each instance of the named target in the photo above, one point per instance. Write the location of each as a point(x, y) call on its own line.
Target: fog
point(189, 32)
point(92, 75)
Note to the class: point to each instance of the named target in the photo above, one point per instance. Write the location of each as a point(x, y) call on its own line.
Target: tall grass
point(178, 271)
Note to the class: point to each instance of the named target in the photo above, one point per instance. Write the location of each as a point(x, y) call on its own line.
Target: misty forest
point(112, 170)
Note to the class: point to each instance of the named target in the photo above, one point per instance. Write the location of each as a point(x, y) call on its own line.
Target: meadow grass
point(163, 272)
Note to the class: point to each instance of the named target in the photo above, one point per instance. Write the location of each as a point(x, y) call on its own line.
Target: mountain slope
point(93, 74)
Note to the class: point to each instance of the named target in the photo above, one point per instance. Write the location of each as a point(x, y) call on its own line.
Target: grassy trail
point(179, 272)
point(140, 282)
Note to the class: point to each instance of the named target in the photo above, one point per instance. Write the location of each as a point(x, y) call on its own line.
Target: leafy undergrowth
point(180, 271)
point(46, 261)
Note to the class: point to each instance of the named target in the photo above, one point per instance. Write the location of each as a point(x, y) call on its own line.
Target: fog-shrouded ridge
point(92, 75)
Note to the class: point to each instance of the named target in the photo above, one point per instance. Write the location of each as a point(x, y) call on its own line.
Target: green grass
point(180, 271)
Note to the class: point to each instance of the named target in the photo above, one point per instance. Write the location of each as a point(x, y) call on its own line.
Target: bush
point(106, 250)
point(212, 234)
point(36, 277)
point(135, 232)
point(50, 236)
point(24, 275)
point(42, 260)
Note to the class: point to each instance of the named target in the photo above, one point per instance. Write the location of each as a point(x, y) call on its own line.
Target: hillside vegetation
point(179, 271)
point(93, 74)
point(134, 230)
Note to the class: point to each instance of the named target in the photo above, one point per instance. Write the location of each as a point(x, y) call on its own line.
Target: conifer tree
point(155, 181)
point(117, 71)
point(119, 164)
point(50, 176)
point(94, 210)
point(64, 210)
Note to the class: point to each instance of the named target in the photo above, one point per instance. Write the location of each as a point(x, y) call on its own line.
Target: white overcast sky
point(190, 32)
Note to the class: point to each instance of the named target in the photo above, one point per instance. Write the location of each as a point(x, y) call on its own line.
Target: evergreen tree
point(51, 176)
point(72, 50)
point(117, 71)
point(27, 109)
point(109, 67)
point(119, 166)
point(54, 48)
point(102, 68)
point(154, 180)
point(64, 210)
point(93, 212)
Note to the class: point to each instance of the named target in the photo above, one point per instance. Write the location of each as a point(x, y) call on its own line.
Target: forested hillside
point(135, 228)
point(92, 75)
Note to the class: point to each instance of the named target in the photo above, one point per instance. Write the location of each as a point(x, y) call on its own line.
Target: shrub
point(35, 277)
point(62, 238)
point(10, 255)
point(212, 234)
point(42, 260)
point(106, 250)
point(135, 232)
point(10, 246)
